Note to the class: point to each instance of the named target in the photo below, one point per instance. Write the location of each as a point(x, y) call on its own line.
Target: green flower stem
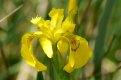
point(55, 68)
point(52, 70)
point(99, 46)
point(39, 76)
point(58, 73)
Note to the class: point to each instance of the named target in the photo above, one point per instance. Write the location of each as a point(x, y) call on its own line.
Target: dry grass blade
point(5, 17)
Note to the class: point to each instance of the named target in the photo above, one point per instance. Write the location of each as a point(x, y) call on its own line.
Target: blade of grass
point(99, 46)
point(5, 17)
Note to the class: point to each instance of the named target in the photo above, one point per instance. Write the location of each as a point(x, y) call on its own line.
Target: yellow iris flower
point(57, 31)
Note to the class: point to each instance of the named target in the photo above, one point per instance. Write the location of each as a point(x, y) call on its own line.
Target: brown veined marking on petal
point(75, 44)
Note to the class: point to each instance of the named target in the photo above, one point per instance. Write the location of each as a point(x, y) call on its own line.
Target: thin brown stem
point(3, 56)
point(15, 10)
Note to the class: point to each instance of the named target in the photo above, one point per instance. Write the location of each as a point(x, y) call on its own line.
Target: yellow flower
point(57, 31)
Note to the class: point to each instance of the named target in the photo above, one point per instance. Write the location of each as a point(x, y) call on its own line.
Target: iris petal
point(72, 9)
point(56, 18)
point(68, 25)
point(63, 45)
point(69, 67)
point(41, 23)
point(46, 46)
point(36, 20)
point(80, 53)
point(26, 51)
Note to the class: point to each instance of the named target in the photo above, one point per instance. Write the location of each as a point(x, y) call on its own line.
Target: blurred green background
point(99, 21)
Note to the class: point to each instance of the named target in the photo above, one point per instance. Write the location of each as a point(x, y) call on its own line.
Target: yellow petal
point(56, 18)
point(68, 25)
point(69, 67)
point(57, 34)
point(39, 66)
point(63, 45)
point(82, 52)
point(27, 53)
point(47, 23)
point(36, 20)
point(41, 23)
point(46, 46)
point(72, 9)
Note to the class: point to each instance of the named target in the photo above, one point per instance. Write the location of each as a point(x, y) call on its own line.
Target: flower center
point(74, 44)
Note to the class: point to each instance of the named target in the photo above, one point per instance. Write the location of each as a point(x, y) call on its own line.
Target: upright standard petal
point(56, 18)
point(46, 46)
point(72, 8)
point(27, 53)
point(68, 25)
